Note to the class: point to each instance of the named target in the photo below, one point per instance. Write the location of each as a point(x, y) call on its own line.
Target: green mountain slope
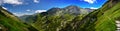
point(57, 18)
point(9, 22)
point(71, 10)
point(102, 19)
point(71, 18)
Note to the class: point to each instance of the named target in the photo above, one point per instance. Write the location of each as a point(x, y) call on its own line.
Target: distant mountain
point(9, 22)
point(89, 10)
point(55, 17)
point(72, 10)
point(28, 18)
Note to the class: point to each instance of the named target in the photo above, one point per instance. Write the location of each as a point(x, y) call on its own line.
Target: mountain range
point(72, 10)
point(71, 18)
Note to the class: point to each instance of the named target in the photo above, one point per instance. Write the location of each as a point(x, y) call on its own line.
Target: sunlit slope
point(9, 22)
point(102, 19)
point(106, 22)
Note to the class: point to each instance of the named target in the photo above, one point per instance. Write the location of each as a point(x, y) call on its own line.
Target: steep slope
point(102, 19)
point(9, 22)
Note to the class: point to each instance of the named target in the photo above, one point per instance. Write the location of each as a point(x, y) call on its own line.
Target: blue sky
point(21, 7)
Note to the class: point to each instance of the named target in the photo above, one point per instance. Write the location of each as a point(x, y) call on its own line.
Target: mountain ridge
point(72, 9)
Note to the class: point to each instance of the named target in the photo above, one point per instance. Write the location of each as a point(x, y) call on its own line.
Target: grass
point(11, 24)
point(106, 22)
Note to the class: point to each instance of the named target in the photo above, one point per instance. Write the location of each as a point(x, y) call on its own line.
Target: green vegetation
point(102, 19)
point(57, 19)
point(9, 22)
point(52, 23)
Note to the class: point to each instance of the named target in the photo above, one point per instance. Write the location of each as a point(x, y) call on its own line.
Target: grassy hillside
point(9, 22)
point(102, 19)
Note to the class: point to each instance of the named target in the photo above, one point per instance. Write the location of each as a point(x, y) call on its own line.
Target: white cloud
point(93, 8)
point(36, 1)
point(28, 10)
point(90, 1)
point(4, 8)
point(28, 13)
point(15, 2)
point(40, 11)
